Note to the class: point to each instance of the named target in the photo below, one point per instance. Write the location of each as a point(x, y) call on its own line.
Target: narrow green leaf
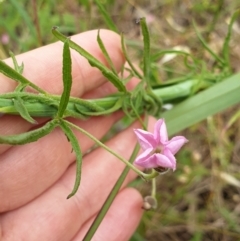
point(158, 54)
point(67, 79)
point(115, 80)
point(20, 87)
point(108, 20)
point(18, 68)
point(22, 110)
point(13, 74)
point(208, 102)
point(105, 53)
point(135, 71)
point(30, 136)
point(93, 61)
point(74, 142)
point(233, 119)
point(228, 37)
point(146, 51)
point(205, 45)
point(156, 107)
point(25, 15)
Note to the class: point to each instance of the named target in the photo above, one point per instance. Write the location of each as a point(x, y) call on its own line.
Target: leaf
point(208, 102)
point(18, 68)
point(74, 142)
point(25, 16)
point(108, 20)
point(67, 79)
point(30, 136)
point(22, 110)
point(135, 71)
point(105, 53)
point(13, 74)
point(206, 46)
point(93, 61)
point(146, 50)
point(228, 37)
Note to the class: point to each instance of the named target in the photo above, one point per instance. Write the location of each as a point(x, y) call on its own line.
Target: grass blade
point(208, 102)
point(108, 20)
point(228, 37)
point(205, 45)
point(25, 16)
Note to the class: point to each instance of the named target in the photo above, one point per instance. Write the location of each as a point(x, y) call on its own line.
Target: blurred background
point(201, 199)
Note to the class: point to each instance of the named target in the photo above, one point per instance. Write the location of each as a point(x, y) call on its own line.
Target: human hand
point(36, 178)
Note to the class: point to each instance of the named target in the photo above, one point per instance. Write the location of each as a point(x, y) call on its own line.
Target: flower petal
point(155, 160)
point(175, 144)
point(143, 159)
point(160, 132)
point(163, 161)
point(171, 157)
point(145, 139)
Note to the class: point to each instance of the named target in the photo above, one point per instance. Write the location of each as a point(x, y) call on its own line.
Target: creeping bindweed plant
point(193, 98)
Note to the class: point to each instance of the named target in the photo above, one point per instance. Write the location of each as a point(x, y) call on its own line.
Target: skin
point(36, 178)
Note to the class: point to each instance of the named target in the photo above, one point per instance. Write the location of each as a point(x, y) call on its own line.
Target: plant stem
point(143, 175)
point(153, 194)
point(110, 198)
point(43, 105)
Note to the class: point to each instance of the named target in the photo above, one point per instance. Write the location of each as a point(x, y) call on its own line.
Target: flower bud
point(149, 203)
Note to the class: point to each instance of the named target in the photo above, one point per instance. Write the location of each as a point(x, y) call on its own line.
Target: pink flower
point(5, 38)
point(158, 151)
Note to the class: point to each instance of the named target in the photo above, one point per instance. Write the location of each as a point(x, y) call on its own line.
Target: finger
point(51, 217)
point(120, 221)
point(26, 171)
point(43, 66)
point(44, 161)
point(108, 88)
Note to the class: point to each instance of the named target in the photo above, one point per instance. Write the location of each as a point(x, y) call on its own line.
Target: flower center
point(159, 149)
point(161, 170)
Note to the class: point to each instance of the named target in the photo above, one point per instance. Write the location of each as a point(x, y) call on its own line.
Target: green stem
point(153, 193)
point(110, 198)
point(143, 175)
point(151, 175)
point(46, 106)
